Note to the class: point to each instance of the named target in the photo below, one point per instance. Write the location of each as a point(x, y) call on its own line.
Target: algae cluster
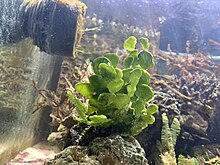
point(117, 97)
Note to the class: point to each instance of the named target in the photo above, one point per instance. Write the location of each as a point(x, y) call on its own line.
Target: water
point(185, 41)
point(9, 19)
point(177, 21)
point(20, 64)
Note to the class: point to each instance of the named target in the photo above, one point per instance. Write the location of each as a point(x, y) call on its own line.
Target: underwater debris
point(185, 64)
point(196, 114)
point(207, 154)
point(161, 82)
point(58, 100)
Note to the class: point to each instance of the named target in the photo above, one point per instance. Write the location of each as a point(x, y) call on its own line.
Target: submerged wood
point(52, 25)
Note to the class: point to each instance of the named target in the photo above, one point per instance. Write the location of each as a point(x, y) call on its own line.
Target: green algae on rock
point(122, 94)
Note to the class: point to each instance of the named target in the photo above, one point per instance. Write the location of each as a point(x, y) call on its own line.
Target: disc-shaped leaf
point(115, 85)
point(131, 90)
point(128, 61)
point(145, 60)
point(126, 74)
point(150, 119)
point(119, 73)
point(114, 58)
point(106, 99)
point(144, 43)
point(98, 83)
point(107, 71)
point(134, 54)
point(145, 78)
point(152, 109)
point(98, 120)
point(120, 101)
point(135, 76)
point(138, 106)
point(138, 126)
point(144, 92)
point(97, 61)
point(85, 89)
point(130, 43)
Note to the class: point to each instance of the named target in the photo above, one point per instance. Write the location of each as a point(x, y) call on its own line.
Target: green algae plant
point(118, 97)
point(169, 136)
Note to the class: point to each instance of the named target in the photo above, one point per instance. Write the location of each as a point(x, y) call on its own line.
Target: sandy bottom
point(35, 155)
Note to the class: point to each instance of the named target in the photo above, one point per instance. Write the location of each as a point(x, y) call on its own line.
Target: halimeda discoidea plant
point(118, 97)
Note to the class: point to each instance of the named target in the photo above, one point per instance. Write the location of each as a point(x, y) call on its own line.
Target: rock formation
point(110, 150)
